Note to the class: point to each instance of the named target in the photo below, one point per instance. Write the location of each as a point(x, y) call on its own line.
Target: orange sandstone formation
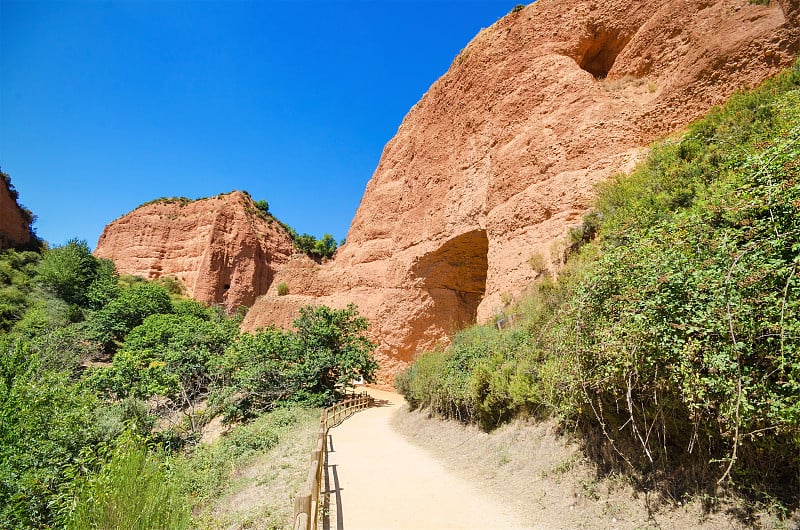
point(222, 249)
point(499, 158)
point(15, 222)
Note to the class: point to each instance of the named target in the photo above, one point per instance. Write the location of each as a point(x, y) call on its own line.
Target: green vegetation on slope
point(105, 379)
point(671, 340)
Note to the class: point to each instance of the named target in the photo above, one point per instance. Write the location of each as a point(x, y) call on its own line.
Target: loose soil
point(393, 468)
point(378, 480)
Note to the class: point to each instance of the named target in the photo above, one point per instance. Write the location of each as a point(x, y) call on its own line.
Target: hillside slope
point(495, 163)
point(670, 340)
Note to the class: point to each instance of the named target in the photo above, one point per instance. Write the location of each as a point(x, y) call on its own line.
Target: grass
point(248, 478)
point(132, 491)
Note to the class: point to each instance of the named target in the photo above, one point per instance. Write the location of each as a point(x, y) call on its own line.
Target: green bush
point(671, 337)
point(283, 289)
point(68, 271)
point(166, 355)
point(257, 373)
point(132, 491)
point(333, 350)
point(135, 303)
point(206, 472)
point(45, 421)
point(314, 364)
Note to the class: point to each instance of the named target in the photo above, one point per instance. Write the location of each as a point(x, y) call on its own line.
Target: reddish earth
point(220, 248)
point(15, 223)
point(472, 198)
point(495, 163)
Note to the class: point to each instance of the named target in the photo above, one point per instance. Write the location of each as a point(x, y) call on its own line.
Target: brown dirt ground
point(545, 479)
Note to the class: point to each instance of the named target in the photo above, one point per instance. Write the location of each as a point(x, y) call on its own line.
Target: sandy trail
point(376, 480)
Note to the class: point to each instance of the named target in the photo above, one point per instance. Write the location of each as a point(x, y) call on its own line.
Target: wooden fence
point(306, 504)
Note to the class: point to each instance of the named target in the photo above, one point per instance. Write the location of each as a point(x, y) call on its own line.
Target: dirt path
point(377, 480)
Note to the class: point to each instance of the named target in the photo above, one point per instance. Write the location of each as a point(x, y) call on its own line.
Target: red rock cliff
point(15, 223)
point(499, 158)
point(220, 248)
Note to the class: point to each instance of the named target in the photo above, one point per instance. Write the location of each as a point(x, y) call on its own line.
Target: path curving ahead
point(376, 480)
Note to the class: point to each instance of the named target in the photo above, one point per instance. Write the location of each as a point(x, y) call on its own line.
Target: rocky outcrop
point(15, 221)
point(223, 249)
point(499, 158)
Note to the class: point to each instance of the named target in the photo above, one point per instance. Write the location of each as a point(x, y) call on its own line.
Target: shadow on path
point(336, 492)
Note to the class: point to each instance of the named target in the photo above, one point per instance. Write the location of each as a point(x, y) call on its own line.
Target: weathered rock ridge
point(221, 248)
point(499, 158)
point(15, 222)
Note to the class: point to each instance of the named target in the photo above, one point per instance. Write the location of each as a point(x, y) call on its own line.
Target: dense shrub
point(165, 355)
point(313, 364)
point(68, 271)
point(132, 491)
point(206, 472)
point(672, 337)
point(45, 421)
point(128, 310)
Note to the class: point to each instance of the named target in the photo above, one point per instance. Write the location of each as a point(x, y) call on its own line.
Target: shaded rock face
point(220, 248)
point(495, 163)
point(15, 223)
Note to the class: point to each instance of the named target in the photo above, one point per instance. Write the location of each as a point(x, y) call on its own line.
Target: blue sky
point(107, 105)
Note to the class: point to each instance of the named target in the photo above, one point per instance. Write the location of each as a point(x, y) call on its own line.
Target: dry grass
point(261, 492)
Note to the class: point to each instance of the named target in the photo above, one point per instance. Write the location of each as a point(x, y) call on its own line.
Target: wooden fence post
point(306, 503)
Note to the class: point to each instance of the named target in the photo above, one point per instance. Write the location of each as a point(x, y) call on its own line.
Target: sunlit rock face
point(15, 223)
point(490, 169)
point(220, 248)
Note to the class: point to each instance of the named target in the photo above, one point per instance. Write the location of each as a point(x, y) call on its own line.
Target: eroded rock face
point(15, 223)
point(220, 248)
point(499, 158)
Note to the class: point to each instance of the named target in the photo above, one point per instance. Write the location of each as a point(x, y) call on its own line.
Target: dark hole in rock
point(599, 50)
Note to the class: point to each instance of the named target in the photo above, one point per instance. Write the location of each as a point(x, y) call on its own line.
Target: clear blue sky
point(106, 105)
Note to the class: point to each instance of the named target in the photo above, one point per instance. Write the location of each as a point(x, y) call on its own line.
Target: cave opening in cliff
point(598, 51)
point(455, 277)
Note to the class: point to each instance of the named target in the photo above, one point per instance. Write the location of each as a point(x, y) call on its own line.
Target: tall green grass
point(132, 491)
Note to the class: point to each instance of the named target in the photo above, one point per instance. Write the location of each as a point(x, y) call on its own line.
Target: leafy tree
point(325, 247)
point(312, 364)
point(305, 243)
point(104, 286)
point(333, 350)
point(128, 310)
point(68, 271)
point(256, 372)
point(263, 206)
point(166, 355)
point(322, 248)
point(191, 307)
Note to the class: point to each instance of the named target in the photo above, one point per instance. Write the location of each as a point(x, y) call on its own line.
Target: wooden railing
point(306, 504)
